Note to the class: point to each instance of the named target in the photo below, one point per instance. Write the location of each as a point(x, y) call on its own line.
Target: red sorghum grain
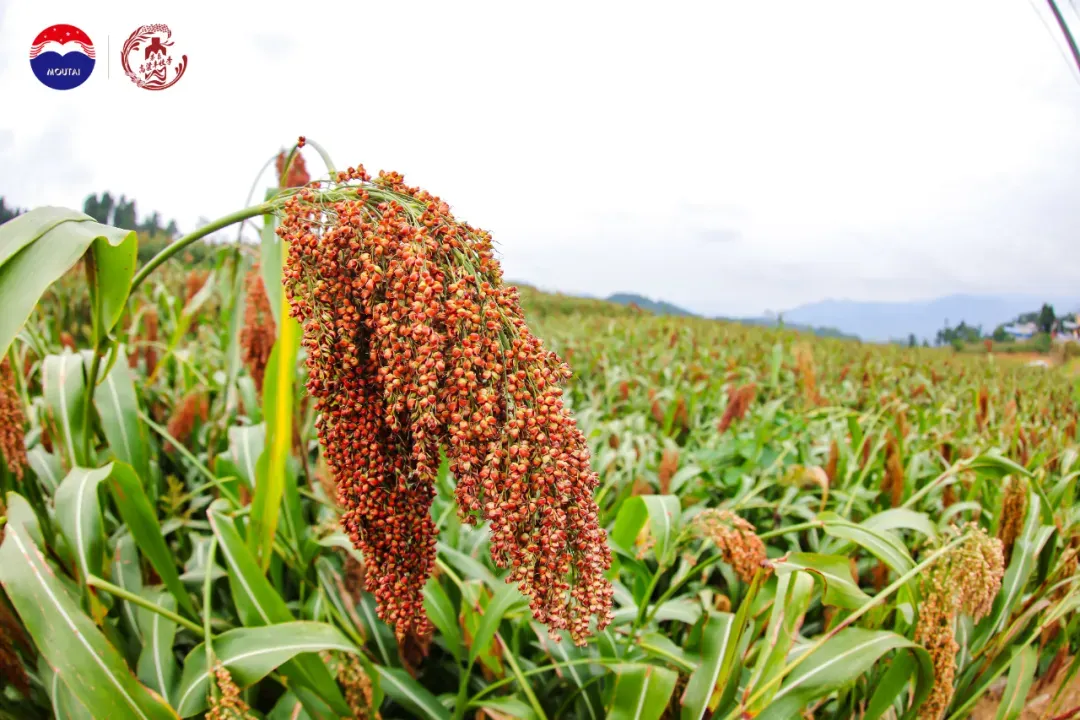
point(415, 345)
point(736, 539)
point(259, 332)
point(12, 420)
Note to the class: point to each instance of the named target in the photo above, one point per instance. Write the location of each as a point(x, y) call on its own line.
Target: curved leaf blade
point(91, 668)
point(410, 694)
point(78, 513)
point(642, 692)
point(839, 662)
point(250, 654)
point(118, 407)
point(138, 514)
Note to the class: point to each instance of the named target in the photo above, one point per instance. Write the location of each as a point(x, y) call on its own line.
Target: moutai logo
point(150, 60)
point(62, 57)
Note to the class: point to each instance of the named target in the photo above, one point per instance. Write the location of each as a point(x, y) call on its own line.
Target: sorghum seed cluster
point(739, 401)
point(229, 705)
point(736, 539)
point(967, 579)
point(414, 344)
point(259, 332)
point(12, 440)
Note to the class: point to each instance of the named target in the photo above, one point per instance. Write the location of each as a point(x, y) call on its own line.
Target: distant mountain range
point(660, 307)
point(885, 321)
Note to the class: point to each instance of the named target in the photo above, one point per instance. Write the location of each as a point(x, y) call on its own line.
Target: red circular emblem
point(150, 60)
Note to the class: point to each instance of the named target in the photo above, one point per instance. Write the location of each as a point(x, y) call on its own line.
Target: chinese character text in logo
point(150, 59)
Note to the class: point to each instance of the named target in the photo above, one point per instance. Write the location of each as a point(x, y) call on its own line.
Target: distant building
point(1068, 329)
point(1021, 331)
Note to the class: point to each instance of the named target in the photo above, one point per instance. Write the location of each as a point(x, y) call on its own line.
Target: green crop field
point(340, 474)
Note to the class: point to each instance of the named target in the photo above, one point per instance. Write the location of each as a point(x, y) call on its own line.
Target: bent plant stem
point(639, 621)
point(174, 248)
point(678, 584)
point(848, 621)
point(207, 611)
point(88, 402)
point(128, 596)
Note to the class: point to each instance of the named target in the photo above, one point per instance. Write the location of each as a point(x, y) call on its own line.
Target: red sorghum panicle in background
point(739, 401)
point(12, 437)
point(1013, 510)
point(191, 409)
point(966, 579)
point(983, 409)
point(229, 705)
point(259, 332)
point(149, 340)
point(736, 539)
point(893, 481)
point(669, 465)
point(833, 461)
point(11, 635)
point(357, 686)
point(414, 344)
point(298, 174)
point(194, 282)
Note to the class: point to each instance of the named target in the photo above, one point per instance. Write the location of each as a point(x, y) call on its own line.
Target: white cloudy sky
point(731, 156)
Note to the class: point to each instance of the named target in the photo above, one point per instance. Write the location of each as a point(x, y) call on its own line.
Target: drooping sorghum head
point(297, 174)
point(739, 401)
point(1013, 510)
point(259, 332)
point(736, 539)
point(193, 282)
point(190, 410)
point(12, 419)
point(966, 579)
point(415, 346)
point(229, 705)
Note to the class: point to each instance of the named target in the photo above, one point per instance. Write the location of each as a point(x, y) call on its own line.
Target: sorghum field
point(340, 474)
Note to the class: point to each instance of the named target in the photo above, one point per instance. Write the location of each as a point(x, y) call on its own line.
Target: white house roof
point(1021, 328)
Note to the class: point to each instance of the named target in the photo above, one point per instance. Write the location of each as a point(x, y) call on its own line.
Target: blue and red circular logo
point(62, 57)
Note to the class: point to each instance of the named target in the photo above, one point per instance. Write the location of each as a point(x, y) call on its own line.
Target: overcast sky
point(730, 156)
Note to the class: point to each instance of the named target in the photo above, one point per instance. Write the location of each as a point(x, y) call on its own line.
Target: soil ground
point(1039, 702)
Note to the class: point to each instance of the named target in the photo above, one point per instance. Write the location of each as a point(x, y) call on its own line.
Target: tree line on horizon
point(1045, 319)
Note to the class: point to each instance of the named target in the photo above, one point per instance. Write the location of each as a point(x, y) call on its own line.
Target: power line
point(1070, 41)
point(1065, 31)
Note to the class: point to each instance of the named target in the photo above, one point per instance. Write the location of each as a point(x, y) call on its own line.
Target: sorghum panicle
point(11, 635)
point(149, 340)
point(967, 579)
point(736, 539)
point(893, 481)
point(414, 344)
point(229, 705)
point(669, 465)
point(298, 174)
point(12, 420)
point(833, 461)
point(1013, 510)
point(194, 282)
point(739, 401)
point(191, 409)
point(259, 332)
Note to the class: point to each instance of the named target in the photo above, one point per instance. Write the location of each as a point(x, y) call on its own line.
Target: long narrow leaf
point(90, 667)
